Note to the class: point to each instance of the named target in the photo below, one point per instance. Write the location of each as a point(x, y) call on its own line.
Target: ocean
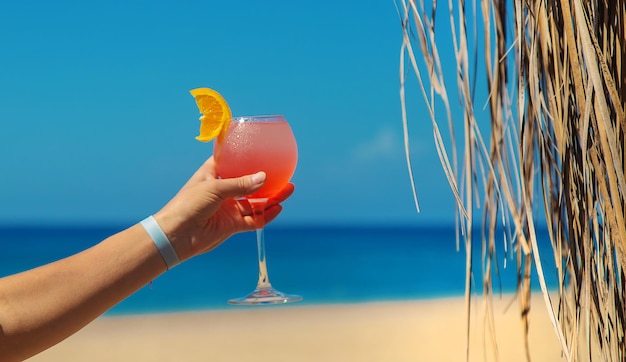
point(328, 264)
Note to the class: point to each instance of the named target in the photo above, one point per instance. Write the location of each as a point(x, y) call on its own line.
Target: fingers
point(244, 206)
point(282, 195)
point(239, 186)
point(244, 186)
point(272, 212)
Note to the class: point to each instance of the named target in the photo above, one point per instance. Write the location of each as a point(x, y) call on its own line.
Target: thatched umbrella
point(556, 82)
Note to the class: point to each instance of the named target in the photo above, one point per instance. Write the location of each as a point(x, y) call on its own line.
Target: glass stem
point(258, 210)
point(264, 279)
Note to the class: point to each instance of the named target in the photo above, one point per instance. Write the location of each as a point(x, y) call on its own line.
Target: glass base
point(266, 296)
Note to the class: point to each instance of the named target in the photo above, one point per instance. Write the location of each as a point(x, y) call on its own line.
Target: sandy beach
point(422, 330)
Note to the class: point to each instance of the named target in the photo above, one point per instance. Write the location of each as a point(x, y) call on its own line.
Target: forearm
point(64, 296)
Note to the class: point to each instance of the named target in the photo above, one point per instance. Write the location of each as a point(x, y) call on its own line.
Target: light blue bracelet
point(161, 241)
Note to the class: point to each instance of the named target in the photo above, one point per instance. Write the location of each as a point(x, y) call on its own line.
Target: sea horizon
point(326, 264)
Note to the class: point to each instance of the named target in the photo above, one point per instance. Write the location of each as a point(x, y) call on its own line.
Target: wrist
point(175, 232)
point(161, 241)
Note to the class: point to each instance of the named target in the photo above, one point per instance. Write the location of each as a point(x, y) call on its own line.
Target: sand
point(420, 330)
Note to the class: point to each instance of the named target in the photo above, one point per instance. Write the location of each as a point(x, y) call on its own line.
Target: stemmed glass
point(252, 144)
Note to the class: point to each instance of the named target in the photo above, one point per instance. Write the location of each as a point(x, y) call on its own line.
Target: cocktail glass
point(252, 144)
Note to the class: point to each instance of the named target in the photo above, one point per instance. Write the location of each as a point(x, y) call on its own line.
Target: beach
point(370, 294)
point(415, 330)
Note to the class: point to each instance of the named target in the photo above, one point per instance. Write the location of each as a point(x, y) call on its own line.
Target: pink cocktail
point(252, 144)
point(255, 144)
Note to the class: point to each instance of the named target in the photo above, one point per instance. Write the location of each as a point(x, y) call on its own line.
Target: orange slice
point(215, 114)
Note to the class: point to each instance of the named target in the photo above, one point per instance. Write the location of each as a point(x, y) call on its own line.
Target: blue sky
point(98, 125)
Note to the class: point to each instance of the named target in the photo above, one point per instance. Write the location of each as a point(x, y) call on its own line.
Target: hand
point(204, 213)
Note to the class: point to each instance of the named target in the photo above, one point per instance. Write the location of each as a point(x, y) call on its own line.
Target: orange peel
point(215, 116)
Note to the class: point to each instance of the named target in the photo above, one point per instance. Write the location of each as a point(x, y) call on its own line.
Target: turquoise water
point(323, 264)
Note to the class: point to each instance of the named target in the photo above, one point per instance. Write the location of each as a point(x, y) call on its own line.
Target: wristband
point(161, 241)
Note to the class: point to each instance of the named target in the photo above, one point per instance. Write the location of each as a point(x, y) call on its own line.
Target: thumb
point(240, 186)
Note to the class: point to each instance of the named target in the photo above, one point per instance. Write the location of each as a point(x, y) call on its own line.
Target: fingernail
point(258, 178)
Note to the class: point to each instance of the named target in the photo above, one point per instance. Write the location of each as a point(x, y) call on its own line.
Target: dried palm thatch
point(556, 84)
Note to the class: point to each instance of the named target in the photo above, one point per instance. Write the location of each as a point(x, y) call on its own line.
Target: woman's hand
point(204, 213)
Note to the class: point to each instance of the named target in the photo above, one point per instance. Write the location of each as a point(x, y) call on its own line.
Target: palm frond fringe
point(555, 75)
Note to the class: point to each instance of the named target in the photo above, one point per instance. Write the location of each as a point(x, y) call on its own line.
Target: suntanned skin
point(43, 306)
